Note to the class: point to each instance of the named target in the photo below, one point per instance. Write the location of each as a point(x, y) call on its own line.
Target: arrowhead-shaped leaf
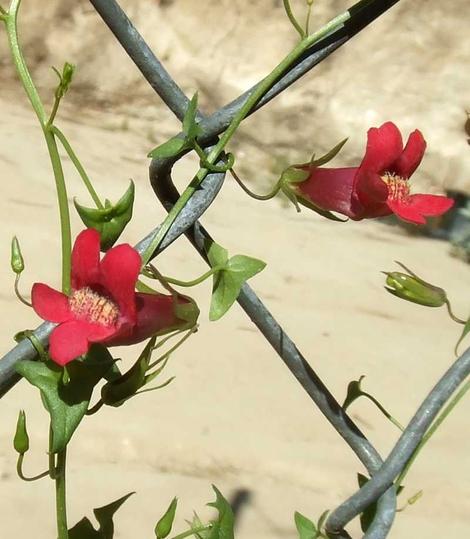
point(222, 528)
point(305, 527)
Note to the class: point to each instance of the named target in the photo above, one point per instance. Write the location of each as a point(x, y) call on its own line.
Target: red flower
point(103, 305)
point(380, 185)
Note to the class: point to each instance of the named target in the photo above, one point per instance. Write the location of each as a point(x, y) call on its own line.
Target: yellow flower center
point(88, 305)
point(398, 187)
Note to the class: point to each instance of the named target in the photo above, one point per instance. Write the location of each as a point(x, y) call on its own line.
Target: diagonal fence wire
point(364, 13)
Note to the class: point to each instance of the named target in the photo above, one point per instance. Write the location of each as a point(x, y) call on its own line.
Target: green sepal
point(228, 282)
point(111, 220)
point(116, 392)
point(104, 515)
point(16, 258)
point(21, 439)
point(66, 403)
point(293, 174)
point(412, 288)
point(328, 156)
point(222, 527)
point(187, 312)
point(165, 524)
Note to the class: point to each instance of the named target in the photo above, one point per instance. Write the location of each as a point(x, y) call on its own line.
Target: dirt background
point(234, 416)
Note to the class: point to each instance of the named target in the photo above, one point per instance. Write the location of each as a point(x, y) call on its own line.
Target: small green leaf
point(305, 527)
point(104, 515)
point(111, 220)
point(21, 439)
point(466, 330)
point(190, 126)
point(170, 148)
point(222, 527)
point(66, 403)
point(165, 524)
point(216, 254)
point(229, 281)
point(353, 393)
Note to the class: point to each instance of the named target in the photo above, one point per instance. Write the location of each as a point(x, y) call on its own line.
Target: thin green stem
point(383, 410)
point(194, 282)
point(52, 464)
point(192, 532)
point(19, 471)
point(11, 21)
point(268, 196)
point(95, 408)
point(173, 348)
point(432, 429)
point(64, 213)
point(452, 315)
point(18, 293)
point(292, 18)
point(307, 21)
point(76, 162)
point(11, 26)
point(55, 108)
point(60, 490)
point(254, 97)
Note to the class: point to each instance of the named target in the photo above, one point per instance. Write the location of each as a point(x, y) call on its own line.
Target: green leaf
point(216, 254)
point(190, 126)
point(104, 515)
point(353, 393)
point(170, 148)
point(165, 524)
point(222, 528)
point(229, 281)
point(66, 403)
point(305, 527)
point(466, 330)
point(111, 220)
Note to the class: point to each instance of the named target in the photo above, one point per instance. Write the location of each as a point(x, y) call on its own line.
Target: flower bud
point(413, 288)
point(16, 259)
point(164, 525)
point(21, 439)
point(111, 220)
point(65, 79)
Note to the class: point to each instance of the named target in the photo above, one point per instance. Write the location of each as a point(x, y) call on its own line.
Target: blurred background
point(234, 416)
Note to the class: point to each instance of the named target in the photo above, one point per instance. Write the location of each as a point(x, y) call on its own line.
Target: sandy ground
point(235, 416)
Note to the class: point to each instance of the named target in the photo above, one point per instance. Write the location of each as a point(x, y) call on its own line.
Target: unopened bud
point(21, 439)
point(16, 259)
point(164, 525)
point(412, 288)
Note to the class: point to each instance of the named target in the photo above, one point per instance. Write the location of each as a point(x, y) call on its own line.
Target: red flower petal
point(119, 272)
point(370, 192)
point(329, 188)
point(406, 212)
point(86, 259)
point(68, 341)
point(384, 147)
point(155, 313)
point(412, 155)
point(430, 205)
point(50, 304)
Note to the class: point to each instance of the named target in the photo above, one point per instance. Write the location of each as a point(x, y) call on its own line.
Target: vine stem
point(76, 162)
point(432, 429)
point(250, 193)
point(61, 507)
point(292, 18)
point(245, 109)
point(19, 471)
point(11, 22)
point(196, 281)
point(452, 315)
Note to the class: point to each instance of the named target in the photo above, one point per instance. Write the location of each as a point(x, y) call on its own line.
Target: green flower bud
point(21, 439)
point(164, 525)
point(111, 220)
point(16, 259)
point(413, 288)
point(65, 79)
